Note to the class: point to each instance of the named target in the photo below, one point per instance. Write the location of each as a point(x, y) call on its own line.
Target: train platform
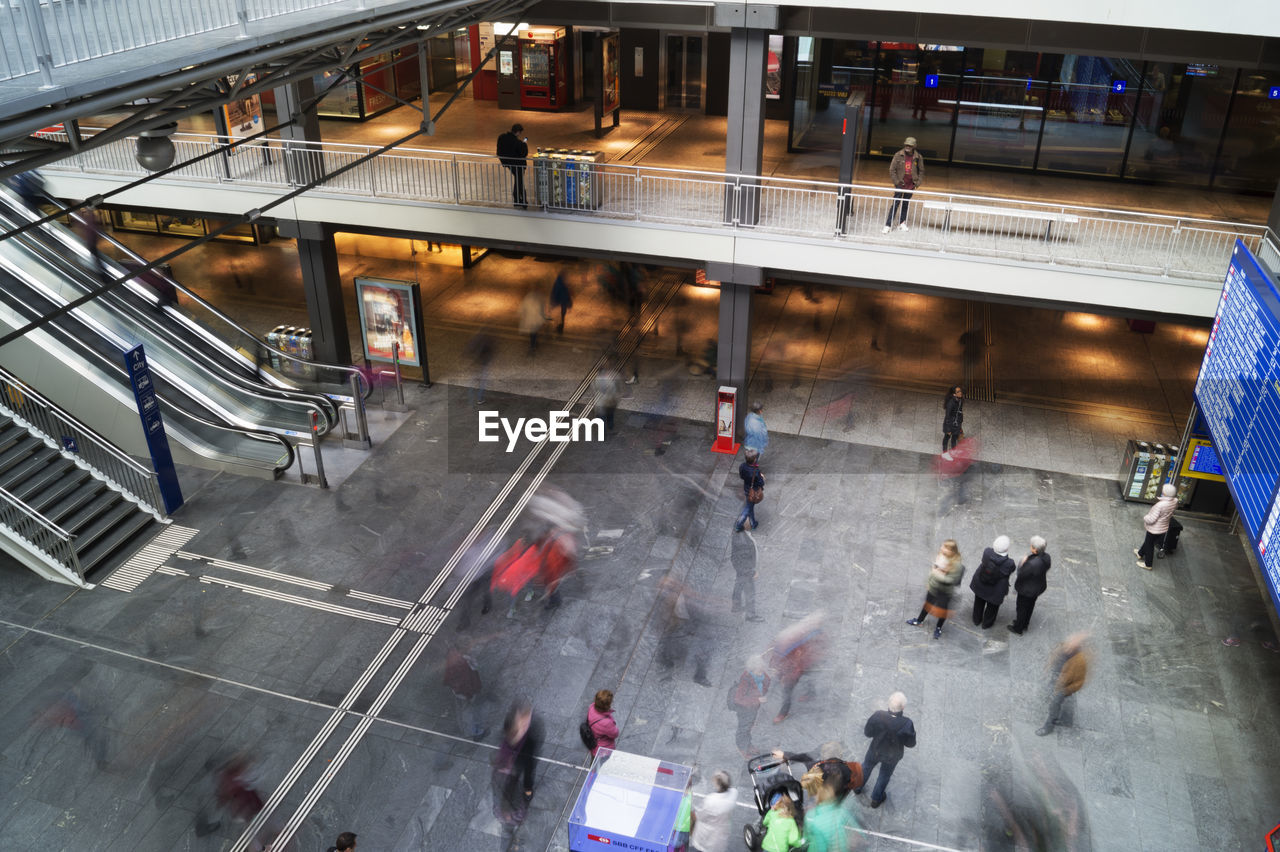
point(303, 632)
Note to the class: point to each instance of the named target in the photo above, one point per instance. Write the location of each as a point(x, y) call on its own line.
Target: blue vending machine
point(628, 802)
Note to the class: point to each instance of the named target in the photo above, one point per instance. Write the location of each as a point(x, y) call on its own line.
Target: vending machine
point(544, 68)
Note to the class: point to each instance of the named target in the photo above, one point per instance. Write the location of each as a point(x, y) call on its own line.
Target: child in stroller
point(772, 778)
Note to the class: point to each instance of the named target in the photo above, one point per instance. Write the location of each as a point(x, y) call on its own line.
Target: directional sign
point(931, 81)
point(1238, 390)
point(1118, 87)
point(1274, 93)
point(144, 394)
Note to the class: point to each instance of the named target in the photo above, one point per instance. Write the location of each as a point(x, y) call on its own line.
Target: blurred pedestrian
point(561, 297)
point(1030, 583)
point(1156, 524)
point(558, 551)
point(796, 651)
point(603, 725)
point(606, 384)
point(743, 554)
point(513, 151)
point(827, 824)
point(86, 226)
point(780, 831)
point(30, 187)
point(891, 732)
point(990, 583)
point(745, 700)
point(944, 578)
point(463, 679)
point(514, 764)
point(757, 434)
point(843, 776)
point(713, 819)
point(1068, 670)
point(752, 489)
point(480, 349)
point(687, 627)
point(952, 420)
point(70, 712)
point(531, 317)
point(906, 170)
point(346, 842)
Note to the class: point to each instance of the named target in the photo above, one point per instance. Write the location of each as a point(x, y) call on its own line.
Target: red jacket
point(603, 726)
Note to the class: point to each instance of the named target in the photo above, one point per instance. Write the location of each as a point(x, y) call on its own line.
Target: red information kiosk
point(544, 68)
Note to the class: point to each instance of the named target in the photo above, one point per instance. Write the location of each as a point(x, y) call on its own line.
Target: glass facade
point(1199, 125)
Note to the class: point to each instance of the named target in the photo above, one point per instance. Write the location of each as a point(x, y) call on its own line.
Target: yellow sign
point(1200, 461)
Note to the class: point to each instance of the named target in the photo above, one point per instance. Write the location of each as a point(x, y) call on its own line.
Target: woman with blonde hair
point(944, 577)
point(781, 833)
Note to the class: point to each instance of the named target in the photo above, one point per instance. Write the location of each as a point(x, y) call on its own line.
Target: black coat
point(953, 418)
point(992, 590)
point(1030, 582)
point(751, 476)
point(512, 150)
point(890, 733)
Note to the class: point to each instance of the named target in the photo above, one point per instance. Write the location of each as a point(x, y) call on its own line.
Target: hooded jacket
point(991, 581)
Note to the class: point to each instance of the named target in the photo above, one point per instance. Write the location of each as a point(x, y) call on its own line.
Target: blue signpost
point(144, 394)
point(1238, 392)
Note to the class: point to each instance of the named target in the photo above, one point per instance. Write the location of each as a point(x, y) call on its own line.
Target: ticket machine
point(544, 68)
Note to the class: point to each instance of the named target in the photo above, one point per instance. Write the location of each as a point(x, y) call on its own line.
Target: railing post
point(242, 17)
point(1173, 240)
point(639, 184)
point(315, 446)
point(457, 191)
point(40, 39)
point(362, 420)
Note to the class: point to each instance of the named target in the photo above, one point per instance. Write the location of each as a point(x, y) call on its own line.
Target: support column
point(304, 163)
point(748, 67)
point(733, 352)
point(322, 283)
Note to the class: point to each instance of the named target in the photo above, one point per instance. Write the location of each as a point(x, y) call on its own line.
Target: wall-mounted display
point(390, 313)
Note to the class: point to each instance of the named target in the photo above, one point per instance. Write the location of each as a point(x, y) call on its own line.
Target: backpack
point(588, 735)
point(989, 574)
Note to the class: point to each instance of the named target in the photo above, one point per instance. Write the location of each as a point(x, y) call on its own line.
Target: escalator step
point(70, 481)
point(53, 471)
point(37, 460)
point(19, 452)
point(87, 491)
point(81, 518)
point(130, 529)
point(103, 522)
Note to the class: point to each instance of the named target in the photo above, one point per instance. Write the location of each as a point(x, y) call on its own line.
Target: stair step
point(103, 522)
point(19, 452)
point(81, 518)
point(73, 479)
point(39, 459)
point(53, 472)
point(10, 434)
point(61, 510)
point(127, 530)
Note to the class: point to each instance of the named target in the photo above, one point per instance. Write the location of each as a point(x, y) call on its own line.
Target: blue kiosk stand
point(628, 801)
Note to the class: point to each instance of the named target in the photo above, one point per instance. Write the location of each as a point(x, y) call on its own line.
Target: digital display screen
point(1202, 458)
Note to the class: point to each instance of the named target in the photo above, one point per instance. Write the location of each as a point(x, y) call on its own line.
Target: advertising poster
point(389, 313)
point(378, 84)
point(609, 74)
point(242, 117)
point(773, 69)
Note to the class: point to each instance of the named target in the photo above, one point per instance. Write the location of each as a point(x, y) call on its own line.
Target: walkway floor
point(271, 633)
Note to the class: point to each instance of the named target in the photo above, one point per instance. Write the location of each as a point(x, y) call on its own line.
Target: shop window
point(1179, 122)
point(1250, 157)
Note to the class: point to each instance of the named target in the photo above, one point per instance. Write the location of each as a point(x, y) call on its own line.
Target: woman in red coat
point(600, 718)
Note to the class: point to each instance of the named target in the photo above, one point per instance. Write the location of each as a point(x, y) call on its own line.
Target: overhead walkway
point(1052, 254)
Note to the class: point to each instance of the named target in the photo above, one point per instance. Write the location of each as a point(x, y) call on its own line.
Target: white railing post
point(242, 18)
point(1174, 236)
point(40, 41)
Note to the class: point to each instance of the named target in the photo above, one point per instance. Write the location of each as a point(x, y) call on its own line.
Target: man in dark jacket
point(346, 842)
point(512, 151)
point(990, 582)
point(890, 733)
point(1030, 583)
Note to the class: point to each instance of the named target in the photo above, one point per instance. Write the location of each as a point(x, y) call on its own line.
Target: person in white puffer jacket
point(1156, 523)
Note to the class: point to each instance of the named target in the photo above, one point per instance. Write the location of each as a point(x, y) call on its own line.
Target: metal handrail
point(1110, 239)
point(41, 533)
point(63, 431)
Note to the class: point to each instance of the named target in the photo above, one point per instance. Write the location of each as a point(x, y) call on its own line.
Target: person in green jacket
point(827, 825)
point(684, 824)
point(780, 831)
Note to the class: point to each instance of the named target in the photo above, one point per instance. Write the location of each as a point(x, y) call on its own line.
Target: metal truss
point(163, 99)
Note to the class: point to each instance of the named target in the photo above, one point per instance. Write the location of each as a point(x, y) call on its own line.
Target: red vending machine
point(544, 68)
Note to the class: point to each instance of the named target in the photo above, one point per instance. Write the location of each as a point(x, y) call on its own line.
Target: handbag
point(756, 494)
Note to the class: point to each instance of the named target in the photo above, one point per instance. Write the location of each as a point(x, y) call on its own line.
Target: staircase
point(72, 507)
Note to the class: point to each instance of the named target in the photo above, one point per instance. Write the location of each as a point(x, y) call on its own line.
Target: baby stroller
point(1169, 544)
point(770, 778)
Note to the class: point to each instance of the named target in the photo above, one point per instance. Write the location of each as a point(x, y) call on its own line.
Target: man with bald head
point(891, 732)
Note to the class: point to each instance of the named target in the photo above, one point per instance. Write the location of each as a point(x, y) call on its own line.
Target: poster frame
point(410, 295)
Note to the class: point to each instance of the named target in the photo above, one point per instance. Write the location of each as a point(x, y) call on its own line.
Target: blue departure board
point(1238, 391)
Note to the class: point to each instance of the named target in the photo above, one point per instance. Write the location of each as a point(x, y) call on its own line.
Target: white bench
point(1009, 212)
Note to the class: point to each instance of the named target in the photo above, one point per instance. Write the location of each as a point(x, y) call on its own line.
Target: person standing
point(1030, 583)
point(463, 679)
point(944, 578)
point(757, 434)
point(513, 151)
point(752, 479)
point(990, 583)
point(600, 718)
point(745, 700)
point(743, 554)
point(1156, 523)
point(906, 170)
point(713, 819)
point(952, 420)
point(531, 317)
point(1068, 670)
point(891, 732)
point(514, 764)
point(346, 842)
point(561, 297)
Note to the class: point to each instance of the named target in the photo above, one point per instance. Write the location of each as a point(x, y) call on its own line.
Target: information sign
point(144, 394)
point(1118, 86)
point(931, 81)
point(1238, 390)
point(1200, 461)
